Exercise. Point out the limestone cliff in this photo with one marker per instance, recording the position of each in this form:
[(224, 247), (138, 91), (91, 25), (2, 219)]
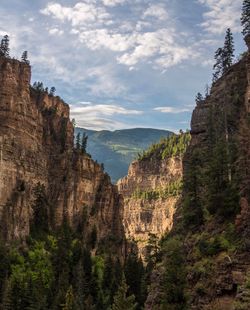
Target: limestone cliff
[(149, 199), (211, 225), (36, 147)]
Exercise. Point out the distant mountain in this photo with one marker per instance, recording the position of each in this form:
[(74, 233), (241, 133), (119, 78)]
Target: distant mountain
[(116, 149)]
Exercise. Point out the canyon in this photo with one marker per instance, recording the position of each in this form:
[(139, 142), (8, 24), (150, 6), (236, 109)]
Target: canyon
[(195, 198)]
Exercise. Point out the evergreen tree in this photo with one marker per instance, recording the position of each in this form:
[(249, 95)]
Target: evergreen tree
[(121, 300), (218, 66), (199, 98), (152, 251), (40, 211), (117, 275), (93, 237), (192, 206), (69, 300), (78, 138), (207, 90), (4, 47), (84, 143), (6, 303), (24, 57), (135, 276), (174, 275), (73, 122), (38, 86), (224, 56), (245, 17), (52, 91), (228, 51)]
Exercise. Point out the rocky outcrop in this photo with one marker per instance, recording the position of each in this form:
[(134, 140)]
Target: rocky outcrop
[(145, 213), (216, 249), (36, 147)]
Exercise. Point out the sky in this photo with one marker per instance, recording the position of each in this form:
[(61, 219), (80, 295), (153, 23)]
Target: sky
[(123, 63)]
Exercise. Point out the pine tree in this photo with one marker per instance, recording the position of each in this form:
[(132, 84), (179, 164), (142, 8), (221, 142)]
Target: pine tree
[(6, 303), (245, 17), (38, 86), (228, 51), (207, 91), (84, 143), (174, 275), (52, 91), (73, 122), (40, 211), (4, 47), (69, 300), (218, 66), (24, 57), (78, 138), (199, 98), (192, 206), (224, 56), (135, 276), (121, 301)]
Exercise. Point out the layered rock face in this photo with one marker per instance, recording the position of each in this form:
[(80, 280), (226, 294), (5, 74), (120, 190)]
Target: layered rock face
[(143, 214), (216, 250), (227, 109), (36, 146)]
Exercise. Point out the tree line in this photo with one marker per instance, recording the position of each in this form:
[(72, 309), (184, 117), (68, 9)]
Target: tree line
[(5, 50), (224, 56)]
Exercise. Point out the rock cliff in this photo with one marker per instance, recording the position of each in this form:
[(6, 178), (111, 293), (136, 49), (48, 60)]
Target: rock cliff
[(36, 148), (150, 193), (211, 225)]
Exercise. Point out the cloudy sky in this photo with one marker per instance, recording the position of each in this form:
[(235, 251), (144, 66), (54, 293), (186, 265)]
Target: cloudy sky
[(123, 63)]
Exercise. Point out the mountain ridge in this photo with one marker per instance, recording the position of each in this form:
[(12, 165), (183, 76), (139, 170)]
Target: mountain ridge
[(117, 149)]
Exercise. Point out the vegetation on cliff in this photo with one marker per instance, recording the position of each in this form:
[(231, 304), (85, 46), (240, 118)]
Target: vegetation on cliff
[(175, 145), (64, 254), (208, 239), (172, 189), (204, 259), (66, 269)]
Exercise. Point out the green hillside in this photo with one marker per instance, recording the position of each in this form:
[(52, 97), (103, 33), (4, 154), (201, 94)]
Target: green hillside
[(116, 149)]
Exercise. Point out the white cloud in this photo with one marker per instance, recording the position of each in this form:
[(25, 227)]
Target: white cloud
[(104, 38), (172, 110), (161, 45), (99, 116), (81, 14), (156, 10), (56, 31), (221, 14), (3, 33), (113, 2), (98, 30), (102, 109)]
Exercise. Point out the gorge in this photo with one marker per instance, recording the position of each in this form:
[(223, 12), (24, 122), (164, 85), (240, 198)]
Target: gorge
[(70, 239)]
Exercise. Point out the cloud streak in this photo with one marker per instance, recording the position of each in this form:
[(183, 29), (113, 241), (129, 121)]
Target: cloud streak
[(99, 116), (171, 110)]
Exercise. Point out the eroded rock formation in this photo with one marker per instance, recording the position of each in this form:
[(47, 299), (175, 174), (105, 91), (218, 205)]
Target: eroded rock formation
[(215, 249), (149, 215), (36, 147)]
